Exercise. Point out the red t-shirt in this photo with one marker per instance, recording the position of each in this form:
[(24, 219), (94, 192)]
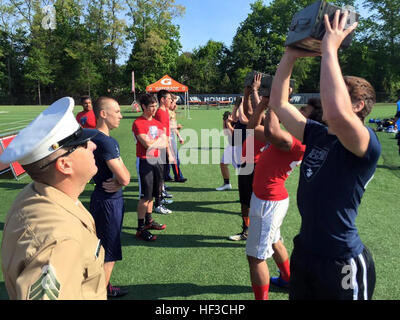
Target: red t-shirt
[(272, 170), (163, 117), (258, 149), (153, 129), (86, 119)]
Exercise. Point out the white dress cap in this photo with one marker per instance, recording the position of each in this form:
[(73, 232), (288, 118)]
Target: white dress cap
[(40, 138)]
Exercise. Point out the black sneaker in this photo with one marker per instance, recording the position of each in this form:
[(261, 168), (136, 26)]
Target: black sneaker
[(115, 292), (145, 235), (155, 225)]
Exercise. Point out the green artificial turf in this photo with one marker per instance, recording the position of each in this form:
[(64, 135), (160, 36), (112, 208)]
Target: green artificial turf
[(192, 258)]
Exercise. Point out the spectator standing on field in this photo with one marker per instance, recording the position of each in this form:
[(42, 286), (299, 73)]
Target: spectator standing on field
[(329, 260), (86, 118), (162, 115), (150, 138), (229, 156), (174, 136), (107, 201)]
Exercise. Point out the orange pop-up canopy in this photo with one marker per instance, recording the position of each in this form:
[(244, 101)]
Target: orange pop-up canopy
[(167, 83)]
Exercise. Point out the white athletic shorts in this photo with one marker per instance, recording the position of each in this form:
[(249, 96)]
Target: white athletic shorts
[(266, 218), (232, 155)]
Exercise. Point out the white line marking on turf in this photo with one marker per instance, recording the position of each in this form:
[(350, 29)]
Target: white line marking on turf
[(10, 129), (15, 122)]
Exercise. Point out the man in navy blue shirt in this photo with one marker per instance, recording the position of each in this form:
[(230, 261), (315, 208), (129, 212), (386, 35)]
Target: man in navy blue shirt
[(329, 261), (107, 202)]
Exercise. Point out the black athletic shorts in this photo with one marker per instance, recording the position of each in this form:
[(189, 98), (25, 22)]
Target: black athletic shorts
[(245, 186), (150, 179), (317, 278), (108, 215)]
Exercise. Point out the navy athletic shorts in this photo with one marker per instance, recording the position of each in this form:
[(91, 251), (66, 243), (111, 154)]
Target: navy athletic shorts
[(317, 278), (108, 215)]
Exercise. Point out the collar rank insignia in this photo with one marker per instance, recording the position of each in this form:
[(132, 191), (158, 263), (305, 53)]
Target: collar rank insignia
[(47, 286)]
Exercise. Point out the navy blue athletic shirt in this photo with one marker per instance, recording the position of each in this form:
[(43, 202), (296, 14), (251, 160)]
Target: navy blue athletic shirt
[(107, 149), (332, 182)]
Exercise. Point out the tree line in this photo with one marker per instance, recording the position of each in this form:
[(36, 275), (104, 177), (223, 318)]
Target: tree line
[(75, 47)]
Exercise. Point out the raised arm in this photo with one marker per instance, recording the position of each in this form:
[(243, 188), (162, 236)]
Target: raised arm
[(275, 134), (256, 121), (291, 118), (242, 115), (247, 104), (257, 117), (255, 87), (235, 110), (339, 111), (288, 114)]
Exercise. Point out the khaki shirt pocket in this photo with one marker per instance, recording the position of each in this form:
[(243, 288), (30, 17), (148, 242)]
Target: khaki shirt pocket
[(94, 286)]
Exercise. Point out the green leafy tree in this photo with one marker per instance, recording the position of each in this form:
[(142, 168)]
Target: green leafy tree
[(382, 37), (260, 38), (38, 70), (155, 40)]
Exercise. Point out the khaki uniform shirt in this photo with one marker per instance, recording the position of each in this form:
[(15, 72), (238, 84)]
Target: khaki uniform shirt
[(50, 249)]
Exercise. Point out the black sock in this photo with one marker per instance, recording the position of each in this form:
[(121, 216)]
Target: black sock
[(140, 224), (226, 181), (148, 218)]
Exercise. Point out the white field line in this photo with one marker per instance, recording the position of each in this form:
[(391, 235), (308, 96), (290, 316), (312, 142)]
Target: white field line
[(14, 122), (6, 130)]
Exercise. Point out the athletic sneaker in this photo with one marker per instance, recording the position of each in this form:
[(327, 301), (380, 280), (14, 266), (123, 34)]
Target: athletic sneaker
[(279, 282), (155, 225), (166, 201), (162, 210), (115, 292), (145, 235), (165, 194), (227, 186), (239, 236)]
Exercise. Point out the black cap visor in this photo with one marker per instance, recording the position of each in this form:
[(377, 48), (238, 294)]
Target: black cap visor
[(80, 136)]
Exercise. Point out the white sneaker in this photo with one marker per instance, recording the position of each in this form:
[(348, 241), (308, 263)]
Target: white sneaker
[(239, 236), (162, 210), (224, 187)]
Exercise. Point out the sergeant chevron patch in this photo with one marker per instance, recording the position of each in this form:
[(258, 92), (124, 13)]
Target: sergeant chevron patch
[(46, 285)]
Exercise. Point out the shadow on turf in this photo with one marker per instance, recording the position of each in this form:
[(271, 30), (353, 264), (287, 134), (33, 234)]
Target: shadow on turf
[(12, 186), (202, 206), (178, 187), (390, 167), (395, 169), (160, 291), (178, 240)]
